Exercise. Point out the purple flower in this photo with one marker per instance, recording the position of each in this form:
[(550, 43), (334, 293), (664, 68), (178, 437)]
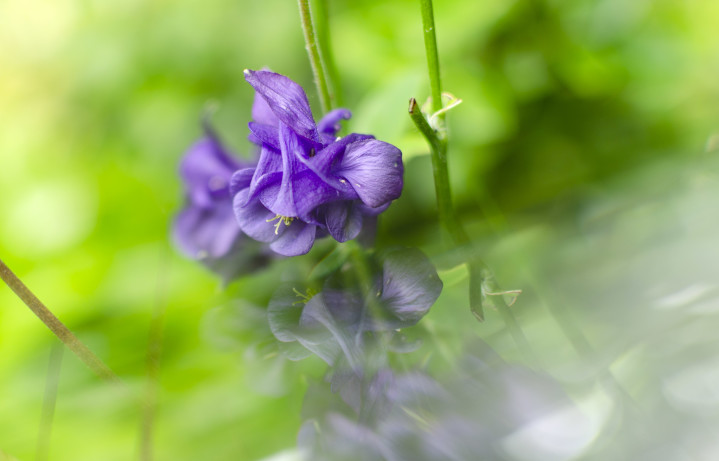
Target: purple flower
[(206, 228), (308, 183)]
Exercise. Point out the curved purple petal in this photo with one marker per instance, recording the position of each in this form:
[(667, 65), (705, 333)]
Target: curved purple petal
[(253, 218), (374, 169), (284, 201), (343, 220), (286, 99), (206, 169), (323, 162), (370, 211), (241, 180), (262, 112), (295, 239), (311, 192), (205, 233), (269, 170), (270, 161), (300, 190), (330, 123), (410, 285), (264, 134)]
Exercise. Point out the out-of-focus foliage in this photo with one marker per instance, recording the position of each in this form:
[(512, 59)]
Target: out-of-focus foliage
[(576, 159)]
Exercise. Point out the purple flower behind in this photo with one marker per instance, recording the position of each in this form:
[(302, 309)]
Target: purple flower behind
[(206, 228), (308, 183)]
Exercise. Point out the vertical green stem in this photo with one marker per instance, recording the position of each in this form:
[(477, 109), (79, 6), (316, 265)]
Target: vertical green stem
[(314, 54), (322, 32), (437, 139), (430, 46), (438, 150), (55, 325)]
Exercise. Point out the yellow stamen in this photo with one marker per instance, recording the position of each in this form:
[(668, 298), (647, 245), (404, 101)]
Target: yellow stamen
[(280, 219)]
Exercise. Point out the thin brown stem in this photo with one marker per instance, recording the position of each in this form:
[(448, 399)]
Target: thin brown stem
[(55, 325)]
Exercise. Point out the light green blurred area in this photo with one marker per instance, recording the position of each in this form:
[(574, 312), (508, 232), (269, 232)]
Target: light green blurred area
[(99, 99)]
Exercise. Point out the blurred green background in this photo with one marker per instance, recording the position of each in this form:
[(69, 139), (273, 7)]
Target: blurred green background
[(563, 101)]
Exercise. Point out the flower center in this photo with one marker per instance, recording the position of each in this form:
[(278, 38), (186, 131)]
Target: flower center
[(280, 219)]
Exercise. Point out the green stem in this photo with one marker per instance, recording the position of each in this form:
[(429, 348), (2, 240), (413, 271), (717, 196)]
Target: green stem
[(438, 150), (437, 140), (55, 325), (314, 54), (430, 46), (322, 32), (447, 216)]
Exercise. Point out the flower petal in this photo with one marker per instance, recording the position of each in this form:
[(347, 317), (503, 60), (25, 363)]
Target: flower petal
[(286, 99), (262, 112), (410, 285), (322, 163), (330, 123), (269, 170), (374, 169), (253, 218), (295, 239), (370, 211), (311, 192), (206, 233), (284, 202), (301, 191), (343, 219), (241, 180), (264, 134), (206, 169)]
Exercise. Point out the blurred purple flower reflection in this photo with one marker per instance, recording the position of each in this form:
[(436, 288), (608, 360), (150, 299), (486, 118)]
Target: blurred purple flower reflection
[(332, 323), (464, 416)]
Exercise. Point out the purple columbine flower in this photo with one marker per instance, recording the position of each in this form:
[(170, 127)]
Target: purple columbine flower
[(206, 228), (308, 183)]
